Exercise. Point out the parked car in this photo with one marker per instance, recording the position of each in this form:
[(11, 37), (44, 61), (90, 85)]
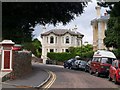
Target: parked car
[(114, 72), (82, 65), (69, 63), (101, 62), (75, 64), (87, 67), (49, 61)]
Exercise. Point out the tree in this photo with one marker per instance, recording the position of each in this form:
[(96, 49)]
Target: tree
[(111, 38), (34, 46), (19, 18), (107, 4), (112, 33), (83, 51), (38, 47)]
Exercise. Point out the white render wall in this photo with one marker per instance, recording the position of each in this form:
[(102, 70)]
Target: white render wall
[(58, 45)]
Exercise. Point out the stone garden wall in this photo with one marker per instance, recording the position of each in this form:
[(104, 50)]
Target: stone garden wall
[(21, 64)]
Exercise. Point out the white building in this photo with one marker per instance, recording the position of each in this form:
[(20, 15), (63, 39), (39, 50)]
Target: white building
[(59, 40), (99, 25)]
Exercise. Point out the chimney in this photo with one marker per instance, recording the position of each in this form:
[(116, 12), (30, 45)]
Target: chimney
[(75, 29), (43, 29), (98, 8)]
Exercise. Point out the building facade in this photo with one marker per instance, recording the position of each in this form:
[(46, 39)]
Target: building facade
[(99, 25), (59, 40)]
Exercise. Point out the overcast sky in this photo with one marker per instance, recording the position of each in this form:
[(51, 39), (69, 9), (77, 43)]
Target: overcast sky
[(82, 22)]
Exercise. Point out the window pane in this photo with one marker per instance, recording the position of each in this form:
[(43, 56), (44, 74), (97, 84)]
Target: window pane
[(51, 39), (56, 39), (47, 39), (107, 60), (51, 50), (67, 50), (67, 39)]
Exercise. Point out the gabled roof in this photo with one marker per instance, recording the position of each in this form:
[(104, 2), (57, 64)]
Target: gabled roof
[(60, 32)]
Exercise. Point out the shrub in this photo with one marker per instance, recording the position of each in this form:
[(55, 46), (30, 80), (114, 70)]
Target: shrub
[(60, 56)]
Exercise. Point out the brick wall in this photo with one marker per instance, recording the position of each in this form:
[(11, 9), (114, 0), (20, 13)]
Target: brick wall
[(21, 64)]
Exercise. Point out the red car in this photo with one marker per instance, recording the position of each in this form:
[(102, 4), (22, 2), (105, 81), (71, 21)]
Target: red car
[(101, 62), (114, 72)]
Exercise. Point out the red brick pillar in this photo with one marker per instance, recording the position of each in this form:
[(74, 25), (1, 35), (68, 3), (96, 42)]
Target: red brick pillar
[(6, 48)]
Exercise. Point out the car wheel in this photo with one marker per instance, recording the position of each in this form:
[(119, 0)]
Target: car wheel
[(115, 80), (109, 78), (90, 71), (85, 70), (64, 66), (97, 74)]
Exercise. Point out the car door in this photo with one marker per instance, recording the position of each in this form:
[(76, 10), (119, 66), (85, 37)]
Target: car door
[(111, 70), (95, 64)]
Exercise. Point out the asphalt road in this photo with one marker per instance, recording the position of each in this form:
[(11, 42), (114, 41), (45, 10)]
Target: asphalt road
[(66, 78)]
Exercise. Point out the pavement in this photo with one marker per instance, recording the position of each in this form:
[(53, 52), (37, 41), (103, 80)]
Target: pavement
[(36, 78)]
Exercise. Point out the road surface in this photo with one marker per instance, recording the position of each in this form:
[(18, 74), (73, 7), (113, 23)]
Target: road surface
[(66, 78)]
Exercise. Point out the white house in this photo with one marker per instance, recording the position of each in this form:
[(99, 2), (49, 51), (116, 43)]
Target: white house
[(59, 40)]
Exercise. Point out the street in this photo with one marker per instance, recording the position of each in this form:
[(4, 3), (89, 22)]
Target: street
[(66, 78), (61, 78)]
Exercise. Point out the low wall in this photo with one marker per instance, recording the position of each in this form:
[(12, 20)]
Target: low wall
[(21, 64)]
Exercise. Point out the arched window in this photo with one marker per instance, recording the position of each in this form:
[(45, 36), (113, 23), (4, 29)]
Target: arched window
[(51, 39), (67, 39)]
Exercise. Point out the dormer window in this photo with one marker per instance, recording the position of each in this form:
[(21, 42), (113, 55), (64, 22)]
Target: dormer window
[(67, 39), (51, 39)]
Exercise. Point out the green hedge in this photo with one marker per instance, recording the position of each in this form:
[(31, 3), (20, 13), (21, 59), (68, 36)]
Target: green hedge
[(65, 56), (60, 56)]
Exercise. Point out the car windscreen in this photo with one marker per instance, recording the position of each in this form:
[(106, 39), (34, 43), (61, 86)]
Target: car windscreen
[(107, 60), (83, 63)]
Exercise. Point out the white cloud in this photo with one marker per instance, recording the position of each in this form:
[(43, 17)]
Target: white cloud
[(82, 22)]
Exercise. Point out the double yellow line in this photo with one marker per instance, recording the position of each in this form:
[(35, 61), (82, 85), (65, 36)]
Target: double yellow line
[(50, 82)]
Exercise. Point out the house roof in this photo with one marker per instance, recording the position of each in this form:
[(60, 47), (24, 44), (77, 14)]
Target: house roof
[(61, 32), (102, 18)]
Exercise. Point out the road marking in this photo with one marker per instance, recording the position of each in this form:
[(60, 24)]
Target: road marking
[(50, 82)]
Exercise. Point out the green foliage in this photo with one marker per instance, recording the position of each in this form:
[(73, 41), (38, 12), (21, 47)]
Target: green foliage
[(60, 56), (111, 38), (84, 52), (34, 46), (117, 53), (113, 28), (19, 18)]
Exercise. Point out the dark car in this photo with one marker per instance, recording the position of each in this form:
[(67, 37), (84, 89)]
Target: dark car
[(87, 67), (69, 63), (49, 61), (75, 64), (82, 65)]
